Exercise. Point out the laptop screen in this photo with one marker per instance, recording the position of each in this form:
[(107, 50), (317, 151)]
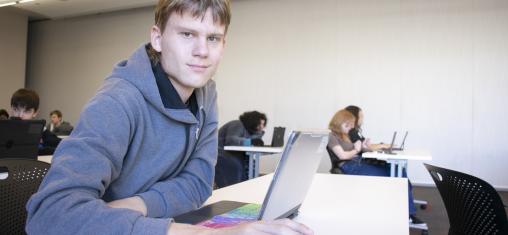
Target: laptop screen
[(288, 188), (20, 138), (294, 174), (278, 137)]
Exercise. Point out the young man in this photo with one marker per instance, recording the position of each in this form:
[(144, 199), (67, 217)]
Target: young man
[(24, 106), (145, 146), (57, 125)]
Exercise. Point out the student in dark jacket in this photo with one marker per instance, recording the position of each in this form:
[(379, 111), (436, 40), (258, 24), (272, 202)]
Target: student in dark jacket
[(232, 166), (25, 105)]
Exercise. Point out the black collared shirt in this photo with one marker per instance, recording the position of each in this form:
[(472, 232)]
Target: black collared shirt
[(168, 93)]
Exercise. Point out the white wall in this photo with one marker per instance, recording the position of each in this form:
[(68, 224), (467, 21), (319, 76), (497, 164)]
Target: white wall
[(437, 68), (70, 58), (13, 37)]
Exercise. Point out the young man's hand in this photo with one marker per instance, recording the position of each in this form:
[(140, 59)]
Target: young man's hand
[(275, 227), (134, 203)]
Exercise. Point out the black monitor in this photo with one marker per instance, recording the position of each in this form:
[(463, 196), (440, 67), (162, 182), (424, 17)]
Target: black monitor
[(20, 138)]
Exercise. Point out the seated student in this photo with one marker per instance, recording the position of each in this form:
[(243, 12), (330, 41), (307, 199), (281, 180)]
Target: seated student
[(24, 105), (145, 147), (4, 115), (57, 125), (352, 163), (232, 166), (356, 132)]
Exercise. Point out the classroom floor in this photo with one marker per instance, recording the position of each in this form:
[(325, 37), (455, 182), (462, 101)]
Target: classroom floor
[(435, 215)]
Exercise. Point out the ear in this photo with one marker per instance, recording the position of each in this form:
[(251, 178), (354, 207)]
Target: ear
[(156, 38)]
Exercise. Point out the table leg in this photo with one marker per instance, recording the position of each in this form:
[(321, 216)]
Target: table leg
[(256, 165), (251, 165), (392, 167), (400, 167)]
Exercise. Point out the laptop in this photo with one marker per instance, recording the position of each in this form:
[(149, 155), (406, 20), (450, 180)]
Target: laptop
[(300, 160), (390, 149), (20, 138), (402, 144), (278, 137)]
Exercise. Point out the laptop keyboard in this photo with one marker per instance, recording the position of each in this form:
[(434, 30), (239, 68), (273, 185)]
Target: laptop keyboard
[(245, 213)]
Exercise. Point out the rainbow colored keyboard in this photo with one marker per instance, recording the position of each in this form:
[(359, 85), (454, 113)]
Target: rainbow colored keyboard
[(243, 214)]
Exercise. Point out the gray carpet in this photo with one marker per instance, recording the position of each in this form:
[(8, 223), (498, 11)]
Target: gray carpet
[(435, 215)]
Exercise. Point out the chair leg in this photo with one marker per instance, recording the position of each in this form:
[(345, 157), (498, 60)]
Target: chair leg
[(423, 227)]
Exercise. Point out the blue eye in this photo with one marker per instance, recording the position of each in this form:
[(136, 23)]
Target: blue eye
[(214, 39), (186, 34)]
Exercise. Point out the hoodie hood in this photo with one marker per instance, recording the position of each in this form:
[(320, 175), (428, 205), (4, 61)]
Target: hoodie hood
[(137, 71)]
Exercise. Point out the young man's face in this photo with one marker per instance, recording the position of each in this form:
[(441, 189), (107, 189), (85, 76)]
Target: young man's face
[(190, 47), (23, 114), (55, 119)]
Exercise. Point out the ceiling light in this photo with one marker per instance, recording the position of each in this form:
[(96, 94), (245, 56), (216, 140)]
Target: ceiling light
[(3, 3)]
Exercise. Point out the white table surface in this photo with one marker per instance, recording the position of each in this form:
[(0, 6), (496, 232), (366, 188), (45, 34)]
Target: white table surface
[(45, 158), (338, 204), (260, 149), (418, 155)]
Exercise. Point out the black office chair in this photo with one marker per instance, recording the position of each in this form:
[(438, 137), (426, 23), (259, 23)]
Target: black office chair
[(473, 205), (23, 179), (335, 162)]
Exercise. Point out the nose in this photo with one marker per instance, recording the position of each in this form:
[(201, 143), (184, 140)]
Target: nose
[(201, 48)]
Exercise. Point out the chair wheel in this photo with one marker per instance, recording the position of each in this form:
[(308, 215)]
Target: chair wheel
[(425, 232), (423, 206)]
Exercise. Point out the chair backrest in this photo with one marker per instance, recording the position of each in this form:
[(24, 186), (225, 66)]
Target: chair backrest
[(473, 205), (335, 161), (23, 179)]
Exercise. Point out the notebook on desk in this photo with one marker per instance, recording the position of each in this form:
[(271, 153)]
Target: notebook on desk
[(20, 138), (300, 160)]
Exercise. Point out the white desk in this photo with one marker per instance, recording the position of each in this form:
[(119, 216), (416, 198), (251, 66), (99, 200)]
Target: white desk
[(338, 204), (399, 159), (254, 153), (45, 158)]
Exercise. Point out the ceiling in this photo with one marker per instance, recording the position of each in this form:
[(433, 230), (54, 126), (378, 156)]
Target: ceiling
[(56, 9)]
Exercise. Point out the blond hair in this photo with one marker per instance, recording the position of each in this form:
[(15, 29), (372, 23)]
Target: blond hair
[(342, 116), (221, 13)]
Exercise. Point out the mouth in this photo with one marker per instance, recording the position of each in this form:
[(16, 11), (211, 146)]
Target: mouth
[(198, 67)]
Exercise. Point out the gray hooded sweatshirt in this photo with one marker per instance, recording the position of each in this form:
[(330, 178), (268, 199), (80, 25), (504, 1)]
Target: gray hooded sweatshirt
[(125, 144)]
